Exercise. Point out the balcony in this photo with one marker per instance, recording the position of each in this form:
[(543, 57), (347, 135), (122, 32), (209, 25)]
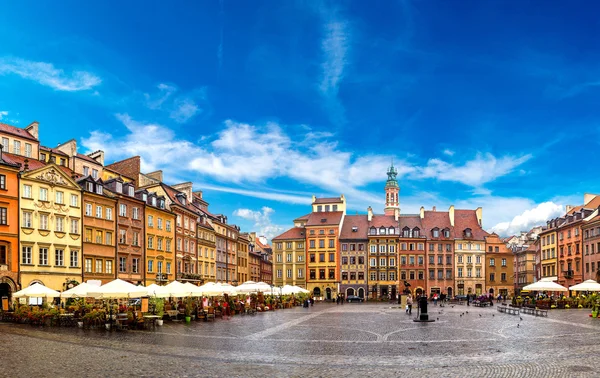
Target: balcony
[(568, 273)]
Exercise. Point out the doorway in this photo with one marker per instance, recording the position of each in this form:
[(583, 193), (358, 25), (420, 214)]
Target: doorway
[(361, 293), (328, 294), (349, 292)]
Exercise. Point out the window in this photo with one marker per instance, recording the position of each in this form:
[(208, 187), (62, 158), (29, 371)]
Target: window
[(43, 194), (311, 244), (289, 257), (5, 144), (436, 233), (150, 221), (108, 264), (60, 197), (122, 264), (27, 150), (168, 245), (503, 262), (289, 273), (168, 225), (86, 170), (478, 259), (27, 219), (431, 260), (178, 220), (99, 264), (136, 213), (135, 264), (382, 261), (43, 256), (460, 272), (136, 239), (492, 262), (331, 257), (27, 191), (95, 173), (108, 239), (122, 236), (60, 224), (420, 260), (26, 255), (321, 243), (43, 221), (88, 265), (150, 266), (469, 259), (123, 210), (74, 200), (16, 147), (382, 276), (159, 223), (492, 277), (373, 261), (98, 211), (130, 191), (59, 256), (331, 243), (503, 276), (3, 257)]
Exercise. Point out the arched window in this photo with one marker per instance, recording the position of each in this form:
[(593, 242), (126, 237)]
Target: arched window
[(416, 232), (382, 231), (406, 232)]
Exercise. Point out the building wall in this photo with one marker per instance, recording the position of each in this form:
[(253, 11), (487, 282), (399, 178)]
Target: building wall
[(9, 232), (570, 270), (591, 250), (440, 259), (549, 252), (160, 246), (470, 266), (412, 264), (254, 265), (353, 266), (35, 238), (324, 270), (34, 146), (132, 248), (499, 267), (383, 266), (242, 261), (206, 253), (290, 257), (99, 238)]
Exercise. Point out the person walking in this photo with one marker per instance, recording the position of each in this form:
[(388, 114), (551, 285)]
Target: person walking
[(409, 303)]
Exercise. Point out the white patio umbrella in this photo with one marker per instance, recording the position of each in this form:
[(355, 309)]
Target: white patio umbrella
[(36, 290), (118, 289), (194, 290), (253, 287), (157, 291), (545, 286), (228, 289), (589, 285), (79, 291), (214, 289), (178, 290), (292, 289)]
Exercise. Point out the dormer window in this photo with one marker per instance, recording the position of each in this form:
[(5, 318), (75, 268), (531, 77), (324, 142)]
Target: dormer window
[(354, 229), (153, 201), (144, 197), (90, 187), (161, 203), (446, 233), (373, 231), (182, 200), (416, 232), (98, 189), (382, 231), (406, 232), (468, 233), (119, 188), (391, 231), (130, 191), (436, 233)]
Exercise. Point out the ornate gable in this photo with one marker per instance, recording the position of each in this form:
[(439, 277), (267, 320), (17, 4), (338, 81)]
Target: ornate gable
[(52, 175)]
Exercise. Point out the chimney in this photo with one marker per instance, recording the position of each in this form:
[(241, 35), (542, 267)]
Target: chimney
[(569, 208), (98, 156), (184, 187), (451, 215), (33, 129), (587, 197), (198, 194), (69, 148), (156, 175), (479, 213), (422, 212), (433, 208), (396, 214), (369, 213), (26, 166)]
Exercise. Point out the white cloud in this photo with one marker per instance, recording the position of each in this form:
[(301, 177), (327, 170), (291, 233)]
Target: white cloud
[(3, 113), (479, 171), (46, 74), (335, 48), (529, 218), (184, 109), (165, 91), (448, 152), (262, 221)]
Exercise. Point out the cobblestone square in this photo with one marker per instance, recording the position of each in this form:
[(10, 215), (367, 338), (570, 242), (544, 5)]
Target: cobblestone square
[(322, 341)]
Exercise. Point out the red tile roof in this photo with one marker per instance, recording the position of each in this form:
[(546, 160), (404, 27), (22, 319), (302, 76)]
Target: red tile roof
[(292, 233), (325, 218), (172, 194), (304, 217), (13, 130), (328, 200), (439, 219), (53, 150), (411, 221), (18, 159), (379, 220), (360, 222), (85, 157), (464, 219)]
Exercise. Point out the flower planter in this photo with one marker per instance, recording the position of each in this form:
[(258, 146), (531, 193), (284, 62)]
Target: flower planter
[(80, 324), (107, 326), (159, 322), (188, 319), (594, 314)]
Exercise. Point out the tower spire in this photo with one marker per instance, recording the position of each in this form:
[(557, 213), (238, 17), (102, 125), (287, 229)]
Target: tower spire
[(391, 191)]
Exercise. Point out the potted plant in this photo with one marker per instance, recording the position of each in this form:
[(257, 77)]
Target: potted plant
[(159, 307), (189, 307)]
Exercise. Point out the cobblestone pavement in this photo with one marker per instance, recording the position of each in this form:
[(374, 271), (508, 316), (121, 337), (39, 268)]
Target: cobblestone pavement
[(323, 341)]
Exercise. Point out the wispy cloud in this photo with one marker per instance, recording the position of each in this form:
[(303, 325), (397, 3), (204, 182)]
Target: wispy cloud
[(262, 221), (448, 152), (529, 218), (479, 171), (46, 74), (184, 109), (3, 113), (156, 101), (179, 107)]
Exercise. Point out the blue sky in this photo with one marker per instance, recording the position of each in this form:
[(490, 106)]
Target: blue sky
[(263, 104)]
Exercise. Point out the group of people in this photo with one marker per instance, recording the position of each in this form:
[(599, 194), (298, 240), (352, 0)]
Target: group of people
[(339, 299)]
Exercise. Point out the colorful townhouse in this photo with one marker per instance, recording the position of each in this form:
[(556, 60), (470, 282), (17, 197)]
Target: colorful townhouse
[(411, 244), (51, 225), (322, 232), (383, 254), (590, 230), (439, 261), (99, 230), (206, 240), (9, 226), (242, 258), (353, 247), (548, 246), (469, 251), (159, 238), (130, 231), (289, 262), (499, 267)]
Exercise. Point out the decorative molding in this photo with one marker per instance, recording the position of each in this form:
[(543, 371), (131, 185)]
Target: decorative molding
[(52, 177)]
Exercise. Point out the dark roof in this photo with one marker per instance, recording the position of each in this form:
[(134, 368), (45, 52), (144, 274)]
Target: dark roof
[(53, 150), (85, 157), (360, 222), (18, 159), (325, 218), (292, 233), (464, 219), (173, 195), (304, 217), (328, 200), (411, 221), (13, 130)]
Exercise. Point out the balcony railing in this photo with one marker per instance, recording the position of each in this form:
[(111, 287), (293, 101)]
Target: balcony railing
[(568, 273)]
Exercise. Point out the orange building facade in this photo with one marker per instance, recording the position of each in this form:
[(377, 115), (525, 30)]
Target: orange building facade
[(9, 227)]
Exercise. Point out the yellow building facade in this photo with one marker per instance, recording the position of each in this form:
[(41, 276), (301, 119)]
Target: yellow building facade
[(206, 250), (50, 232), (289, 260), (549, 261)]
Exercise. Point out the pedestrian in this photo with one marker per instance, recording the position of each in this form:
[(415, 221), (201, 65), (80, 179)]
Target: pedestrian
[(337, 300), (435, 299), (409, 303), (468, 299)]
